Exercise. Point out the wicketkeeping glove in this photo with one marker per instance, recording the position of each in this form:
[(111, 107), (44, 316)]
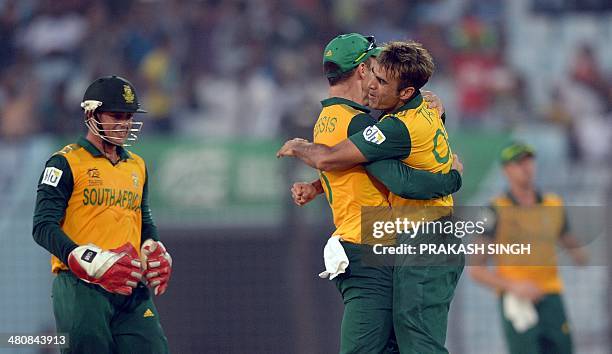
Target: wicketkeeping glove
[(157, 265), (117, 270)]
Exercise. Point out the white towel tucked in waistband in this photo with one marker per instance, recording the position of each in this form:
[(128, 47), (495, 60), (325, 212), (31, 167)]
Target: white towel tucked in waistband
[(335, 258), (520, 312)]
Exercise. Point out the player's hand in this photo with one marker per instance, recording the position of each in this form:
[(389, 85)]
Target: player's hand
[(526, 290), (303, 192), (433, 101), (457, 164), (117, 270), (156, 265), (288, 148)]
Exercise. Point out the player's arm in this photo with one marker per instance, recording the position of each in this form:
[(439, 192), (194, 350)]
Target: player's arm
[(388, 139), (481, 273), (51, 202), (410, 183), (149, 229), (156, 261), (479, 270), (570, 242), (339, 157), (575, 249)]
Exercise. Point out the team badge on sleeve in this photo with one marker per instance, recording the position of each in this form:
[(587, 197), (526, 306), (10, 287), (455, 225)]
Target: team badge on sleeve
[(374, 135), (52, 176)]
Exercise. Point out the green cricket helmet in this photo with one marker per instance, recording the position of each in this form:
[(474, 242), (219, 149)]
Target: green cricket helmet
[(111, 94)]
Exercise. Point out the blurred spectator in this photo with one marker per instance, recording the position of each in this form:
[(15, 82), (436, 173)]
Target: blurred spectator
[(8, 23), (160, 77), (477, 58), (19, 90), (580, 103), (557, 114), (586, 71)]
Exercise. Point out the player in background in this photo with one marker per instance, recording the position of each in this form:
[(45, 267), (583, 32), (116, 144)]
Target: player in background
[(368, 291), (92, 214), (414, 134), (532, 312)]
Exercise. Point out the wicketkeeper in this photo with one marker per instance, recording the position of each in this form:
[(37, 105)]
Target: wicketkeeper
[(92, 214)]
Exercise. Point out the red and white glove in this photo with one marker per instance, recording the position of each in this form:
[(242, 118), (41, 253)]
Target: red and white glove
[(156, 265), (117, 270)]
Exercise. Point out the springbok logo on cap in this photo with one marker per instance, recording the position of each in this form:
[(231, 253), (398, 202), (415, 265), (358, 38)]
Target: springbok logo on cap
[(128, 95)]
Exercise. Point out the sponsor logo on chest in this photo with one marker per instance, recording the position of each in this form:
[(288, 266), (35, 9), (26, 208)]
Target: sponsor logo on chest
[(94, 177)]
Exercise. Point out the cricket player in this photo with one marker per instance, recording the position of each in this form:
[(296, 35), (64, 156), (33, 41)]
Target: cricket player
[(415, 134), (533, 316), (92, 214), (367, 291)]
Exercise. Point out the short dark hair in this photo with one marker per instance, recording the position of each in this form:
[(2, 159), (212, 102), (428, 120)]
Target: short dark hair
[(332, 68), (332, 73), (408, 61)]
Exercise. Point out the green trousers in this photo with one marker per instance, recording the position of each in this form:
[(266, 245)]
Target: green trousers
[(97, 321), (550, 335), (367, 292), (423, 288)]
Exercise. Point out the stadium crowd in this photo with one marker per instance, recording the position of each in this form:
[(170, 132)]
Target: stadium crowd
[(241, 68)]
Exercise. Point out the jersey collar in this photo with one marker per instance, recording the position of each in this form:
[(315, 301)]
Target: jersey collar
[(87, 145), (515, 202), (339, 100), (412, 103)]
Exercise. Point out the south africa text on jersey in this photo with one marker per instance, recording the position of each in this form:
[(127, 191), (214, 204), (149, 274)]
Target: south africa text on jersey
[(111, 197)]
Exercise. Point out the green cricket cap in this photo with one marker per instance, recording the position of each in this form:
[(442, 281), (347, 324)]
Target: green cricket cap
[(349, 50), (515, 151)]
